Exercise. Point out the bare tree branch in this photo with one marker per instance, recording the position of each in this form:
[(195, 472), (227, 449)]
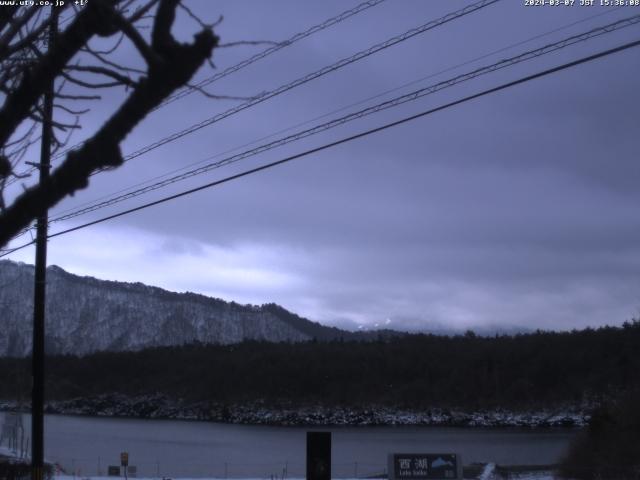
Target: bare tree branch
[(120, 79), (16, 25), (86, 84), (142, 11), (70, 110), (39, 117), (6, 49), (216, 96), (170, 65), (101, 57), (77, 97), (6, 14), (34, 80), (140, 43), (193, 16), (110, 50)]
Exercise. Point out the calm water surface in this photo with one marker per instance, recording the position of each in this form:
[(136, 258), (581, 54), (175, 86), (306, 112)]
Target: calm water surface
[(87, 445)]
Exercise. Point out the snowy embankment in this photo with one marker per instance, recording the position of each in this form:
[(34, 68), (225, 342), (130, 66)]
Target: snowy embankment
[(161, 407)]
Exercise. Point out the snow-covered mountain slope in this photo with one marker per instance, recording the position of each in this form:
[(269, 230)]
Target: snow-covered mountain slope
[(85, 315)]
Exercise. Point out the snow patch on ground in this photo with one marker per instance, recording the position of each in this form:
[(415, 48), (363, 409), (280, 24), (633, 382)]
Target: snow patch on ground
[(487, 472)]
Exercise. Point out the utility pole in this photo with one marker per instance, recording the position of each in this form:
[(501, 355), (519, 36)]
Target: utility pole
[(37, 367)]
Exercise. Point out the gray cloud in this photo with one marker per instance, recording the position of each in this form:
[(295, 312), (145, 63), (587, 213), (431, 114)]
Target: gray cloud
[(514, 209)]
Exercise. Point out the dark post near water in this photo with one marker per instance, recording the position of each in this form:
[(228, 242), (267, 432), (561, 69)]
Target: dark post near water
[(37, 367), (318, 455)]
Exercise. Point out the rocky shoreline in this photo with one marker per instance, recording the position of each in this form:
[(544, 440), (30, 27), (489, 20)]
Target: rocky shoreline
[(159, 406)]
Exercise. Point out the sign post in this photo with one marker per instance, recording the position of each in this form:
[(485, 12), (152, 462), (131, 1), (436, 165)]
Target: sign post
[(124, 461), (425, 466)]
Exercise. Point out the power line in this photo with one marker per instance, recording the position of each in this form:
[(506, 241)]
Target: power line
[(265, 53), (336, 122), (400, 100), (483, 93), (8, 251), (318, 73), (311, 76), (248, 61), (306, 122)]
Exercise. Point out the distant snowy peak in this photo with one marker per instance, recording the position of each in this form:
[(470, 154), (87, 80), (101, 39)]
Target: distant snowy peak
[(84, 315)]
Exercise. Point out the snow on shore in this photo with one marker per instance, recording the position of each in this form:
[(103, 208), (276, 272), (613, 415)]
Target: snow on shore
[(160, 407)]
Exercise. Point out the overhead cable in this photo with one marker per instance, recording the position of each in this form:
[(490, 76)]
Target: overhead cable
[(350, 138), (309, 77), (400, 100), (248, 61), (273, 49), (341, 109)]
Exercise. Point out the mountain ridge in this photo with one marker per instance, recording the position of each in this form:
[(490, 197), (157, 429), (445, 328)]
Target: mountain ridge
[(86, 314)]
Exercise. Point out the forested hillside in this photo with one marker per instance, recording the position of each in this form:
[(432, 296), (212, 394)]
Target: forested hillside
[(86, 315), (417, 371)]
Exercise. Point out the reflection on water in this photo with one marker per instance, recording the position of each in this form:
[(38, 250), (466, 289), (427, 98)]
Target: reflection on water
[(88, 445)]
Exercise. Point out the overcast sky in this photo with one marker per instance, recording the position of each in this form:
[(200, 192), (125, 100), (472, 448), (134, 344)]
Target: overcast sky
[(518, 209)]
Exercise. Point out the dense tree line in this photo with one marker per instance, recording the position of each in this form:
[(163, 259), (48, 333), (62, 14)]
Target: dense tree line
[(414, 371)]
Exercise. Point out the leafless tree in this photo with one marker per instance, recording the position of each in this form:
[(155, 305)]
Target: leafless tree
[(81, 70)]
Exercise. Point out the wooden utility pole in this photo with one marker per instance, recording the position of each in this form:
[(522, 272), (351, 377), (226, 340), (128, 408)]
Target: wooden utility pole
[(37, 367)]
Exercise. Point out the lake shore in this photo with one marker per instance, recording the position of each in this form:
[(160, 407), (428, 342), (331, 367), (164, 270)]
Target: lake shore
[(161, 407)]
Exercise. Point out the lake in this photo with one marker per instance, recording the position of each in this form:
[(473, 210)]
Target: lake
[(88, 445)]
